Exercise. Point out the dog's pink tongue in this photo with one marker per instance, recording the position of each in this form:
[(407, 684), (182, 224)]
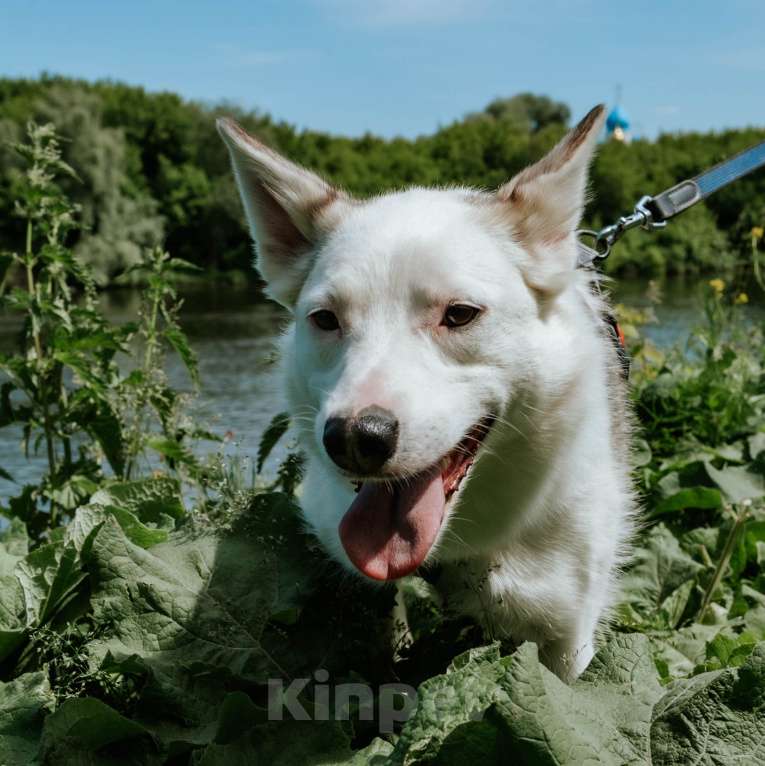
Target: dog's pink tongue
[(388, 531)]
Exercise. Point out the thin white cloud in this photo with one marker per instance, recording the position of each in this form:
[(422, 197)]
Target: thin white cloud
[(389, 13)]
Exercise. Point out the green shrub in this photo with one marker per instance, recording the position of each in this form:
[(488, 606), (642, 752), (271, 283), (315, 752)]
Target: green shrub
[(64, 386)]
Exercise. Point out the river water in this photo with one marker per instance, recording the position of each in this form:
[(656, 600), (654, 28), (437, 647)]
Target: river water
[(233, 333)]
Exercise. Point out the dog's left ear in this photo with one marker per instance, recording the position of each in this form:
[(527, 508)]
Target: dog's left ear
[(290, 210), (545, 202)]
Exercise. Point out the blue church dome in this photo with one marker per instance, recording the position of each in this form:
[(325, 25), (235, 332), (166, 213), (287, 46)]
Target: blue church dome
[(617, 119)]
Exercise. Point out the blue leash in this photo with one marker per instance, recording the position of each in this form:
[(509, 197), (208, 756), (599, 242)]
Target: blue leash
[(654, 212)]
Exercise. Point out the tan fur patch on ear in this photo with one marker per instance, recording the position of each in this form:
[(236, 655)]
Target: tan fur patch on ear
[(316, 207)]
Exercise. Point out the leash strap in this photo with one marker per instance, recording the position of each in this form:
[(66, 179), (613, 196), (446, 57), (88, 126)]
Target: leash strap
[(673, 201), (654, 212)]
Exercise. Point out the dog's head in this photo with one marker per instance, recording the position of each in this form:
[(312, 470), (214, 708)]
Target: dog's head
[(416, 320)]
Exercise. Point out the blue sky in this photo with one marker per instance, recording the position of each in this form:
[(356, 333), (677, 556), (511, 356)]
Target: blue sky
[(404, 67)]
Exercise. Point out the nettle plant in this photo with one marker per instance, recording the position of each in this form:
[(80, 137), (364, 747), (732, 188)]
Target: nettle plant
[(64, 386)]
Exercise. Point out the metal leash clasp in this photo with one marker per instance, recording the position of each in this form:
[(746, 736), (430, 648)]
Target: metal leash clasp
[(607, 237)]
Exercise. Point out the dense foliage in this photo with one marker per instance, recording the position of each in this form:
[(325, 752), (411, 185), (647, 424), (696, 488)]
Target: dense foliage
[(148, 632), (154, 171), (142, 622), (64, 386)]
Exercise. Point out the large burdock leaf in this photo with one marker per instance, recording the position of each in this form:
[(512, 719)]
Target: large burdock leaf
[(87, 731), (603, 718), (198, 600), (41, 584), (450, 707), (13, 626), (151, 500), (13, 549), (36, 586), (660, 575), (713, 719), (14, 545), (307, 743), (89, 519), (49, 577), (24, 703), (617, 713)]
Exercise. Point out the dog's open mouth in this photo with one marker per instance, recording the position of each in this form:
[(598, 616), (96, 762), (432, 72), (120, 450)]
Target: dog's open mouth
[(391, 525)]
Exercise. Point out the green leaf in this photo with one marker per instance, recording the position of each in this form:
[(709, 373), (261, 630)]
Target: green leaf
[(714, 718), (681, 651), (660, 566), (733, 453), (172, 449), (179, 264), (694, 497), (84, 369), (178, 340), (673, 606), (641, 453), (194, 596), (448, 702), (237, 714), (756, 443), (307, 743), (6, 260), (90, 517), (14, 545), (71, 492), (276, 429), (604, 718), (616, 713), (102, 423), (149, 499), (24, 505), (24, 703), (728, 649), (88, 731), (49, 576), (737, 482)]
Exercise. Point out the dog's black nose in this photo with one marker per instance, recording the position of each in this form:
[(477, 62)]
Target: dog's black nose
[(364, 443)]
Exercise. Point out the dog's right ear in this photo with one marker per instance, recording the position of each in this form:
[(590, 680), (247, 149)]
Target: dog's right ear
[(545, 202), (289, 210)]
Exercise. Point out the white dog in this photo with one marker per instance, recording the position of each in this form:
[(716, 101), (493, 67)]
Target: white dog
[(457, 393)]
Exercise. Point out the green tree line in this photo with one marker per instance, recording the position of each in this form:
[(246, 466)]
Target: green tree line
[(152, 170)]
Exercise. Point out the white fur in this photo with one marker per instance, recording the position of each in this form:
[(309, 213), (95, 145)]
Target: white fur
[(532, 541)]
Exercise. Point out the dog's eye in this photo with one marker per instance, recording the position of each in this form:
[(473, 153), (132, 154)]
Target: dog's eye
[(325, 320), (459, 314)]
